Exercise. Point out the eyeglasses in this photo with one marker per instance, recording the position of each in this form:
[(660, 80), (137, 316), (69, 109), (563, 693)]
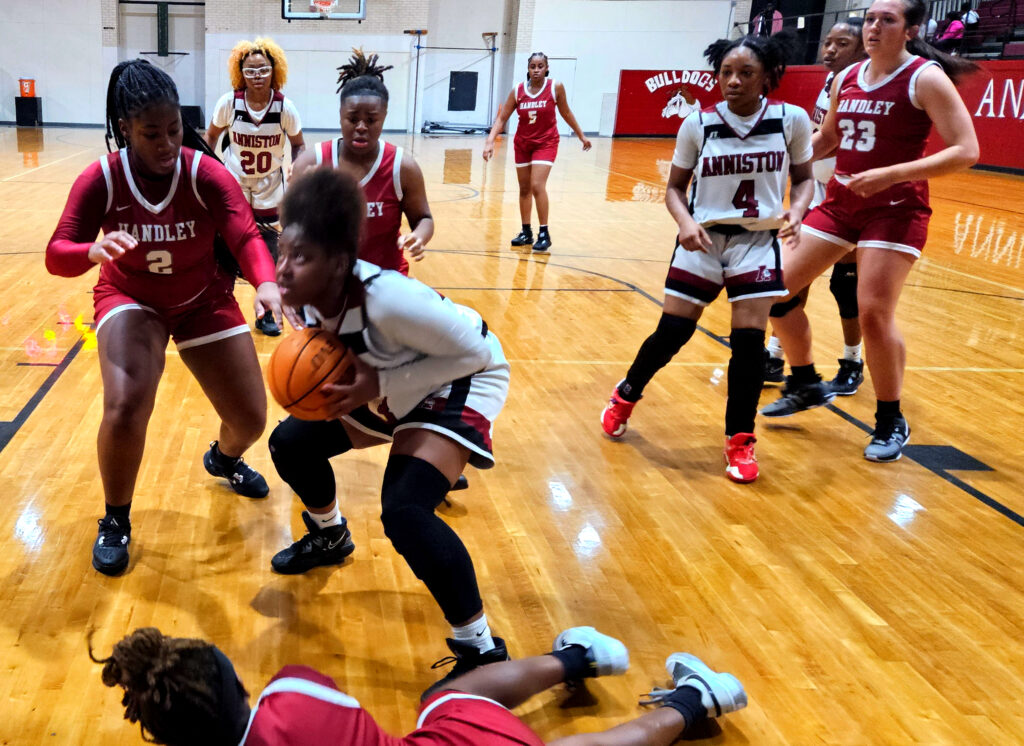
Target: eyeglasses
[(257, 72)]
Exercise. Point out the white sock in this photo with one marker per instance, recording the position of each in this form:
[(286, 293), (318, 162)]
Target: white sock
[(477, 634), (775, 347), (852, 353), (330, 518)]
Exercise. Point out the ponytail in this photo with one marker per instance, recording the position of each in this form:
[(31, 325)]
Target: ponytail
[(955, 67)]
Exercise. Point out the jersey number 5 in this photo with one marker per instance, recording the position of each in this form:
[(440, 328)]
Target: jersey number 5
[(857, 135), (159, 262), (533, 116), (253, 163), (744, 199)]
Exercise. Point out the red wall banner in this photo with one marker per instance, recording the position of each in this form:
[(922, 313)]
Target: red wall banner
[(994, 98)]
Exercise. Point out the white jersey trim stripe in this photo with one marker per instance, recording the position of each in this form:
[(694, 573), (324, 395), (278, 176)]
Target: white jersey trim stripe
[(155, 209), (396, 173), (118, 309), (318, 154), (195, 178), (215, 337), (912, 87), (448, 698), (301, 686), (891, 246), (827, 237), (376, 164), (887, 79), (105, 168)]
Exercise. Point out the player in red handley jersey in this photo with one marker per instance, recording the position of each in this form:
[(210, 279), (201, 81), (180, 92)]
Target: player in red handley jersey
[(881, 115), (535, 143), (185, 692), (160, 207), (391, 179)]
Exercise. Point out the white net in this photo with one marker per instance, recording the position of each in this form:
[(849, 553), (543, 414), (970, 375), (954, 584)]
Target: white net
[(334, 10), (323, 7)]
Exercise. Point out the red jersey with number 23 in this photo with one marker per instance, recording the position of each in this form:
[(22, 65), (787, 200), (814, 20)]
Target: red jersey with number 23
[(537, 122), (880, 125)]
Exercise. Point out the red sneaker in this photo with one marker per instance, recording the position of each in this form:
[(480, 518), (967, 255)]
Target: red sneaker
[(616, 415), (741, 463)]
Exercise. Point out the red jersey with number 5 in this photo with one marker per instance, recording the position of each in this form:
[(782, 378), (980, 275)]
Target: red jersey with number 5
[(882, 124), (537, 122)]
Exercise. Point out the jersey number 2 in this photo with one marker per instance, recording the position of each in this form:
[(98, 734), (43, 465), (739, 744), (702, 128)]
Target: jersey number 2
[(744, 199), (159, 262), (255, 163), (857, 135)]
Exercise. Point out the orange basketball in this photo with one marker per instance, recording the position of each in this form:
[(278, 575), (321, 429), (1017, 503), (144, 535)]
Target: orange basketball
[(303, 362)]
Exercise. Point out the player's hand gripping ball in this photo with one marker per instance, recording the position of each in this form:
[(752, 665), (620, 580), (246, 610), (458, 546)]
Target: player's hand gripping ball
[(301, 365)]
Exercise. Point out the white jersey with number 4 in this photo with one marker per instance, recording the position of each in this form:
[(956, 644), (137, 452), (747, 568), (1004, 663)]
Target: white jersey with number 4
[(257, 137), (741, 164)]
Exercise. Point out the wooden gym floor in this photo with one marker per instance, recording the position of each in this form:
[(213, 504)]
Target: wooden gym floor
[(859, 603)]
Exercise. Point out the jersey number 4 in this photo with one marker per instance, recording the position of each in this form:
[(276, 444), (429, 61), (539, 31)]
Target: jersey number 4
[(857, 135), (255, 163), (744, 199)]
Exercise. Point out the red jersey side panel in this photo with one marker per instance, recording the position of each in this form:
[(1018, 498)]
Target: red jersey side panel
[(537, 121), (382, 188)]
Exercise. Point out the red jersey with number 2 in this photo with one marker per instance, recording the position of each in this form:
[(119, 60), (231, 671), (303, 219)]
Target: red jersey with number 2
[(537, 122), (882, 124)]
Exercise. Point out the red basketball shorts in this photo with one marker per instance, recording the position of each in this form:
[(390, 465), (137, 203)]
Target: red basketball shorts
[(878, 222), (453, 718), (212, 316), (533, 153)]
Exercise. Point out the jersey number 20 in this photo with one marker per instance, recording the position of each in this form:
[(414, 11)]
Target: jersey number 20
[(857, 135), (255, 163), (744, 199)]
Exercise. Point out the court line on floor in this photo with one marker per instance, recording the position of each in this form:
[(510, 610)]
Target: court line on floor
[(986, 500), (45, 165), (9, 429)]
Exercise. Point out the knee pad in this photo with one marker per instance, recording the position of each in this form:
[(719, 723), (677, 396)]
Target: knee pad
[(270, 236), (747, 346), (672, 333), (779, 310), (412, 489), (844, 288), (301, 452)]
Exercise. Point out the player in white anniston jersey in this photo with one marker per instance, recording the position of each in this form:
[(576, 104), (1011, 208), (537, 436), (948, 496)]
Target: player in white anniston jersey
[(258, 119), (843, 46), (738, 154)]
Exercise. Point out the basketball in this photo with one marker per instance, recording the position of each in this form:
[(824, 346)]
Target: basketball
[(303, 362)]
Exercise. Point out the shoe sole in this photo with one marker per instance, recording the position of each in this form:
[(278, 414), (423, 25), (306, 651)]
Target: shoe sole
[(737, 695), (895, 458), (619, 651)]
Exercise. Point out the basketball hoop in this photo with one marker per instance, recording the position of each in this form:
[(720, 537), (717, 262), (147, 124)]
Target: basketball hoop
[(323, 7)]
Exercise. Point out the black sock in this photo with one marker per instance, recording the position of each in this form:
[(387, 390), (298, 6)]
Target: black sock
[(803, 374), (223, 461), (120, 512), (655, 353), (686, 700), (574, 659), (746, 377), (527, 229), (887, 409), (542, 229)]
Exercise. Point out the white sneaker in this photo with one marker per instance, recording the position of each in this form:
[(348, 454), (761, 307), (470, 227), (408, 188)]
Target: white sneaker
[(607, 656), (720, 693)]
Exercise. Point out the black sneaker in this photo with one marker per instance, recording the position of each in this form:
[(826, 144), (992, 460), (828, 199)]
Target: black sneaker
[(888, 439), (848, 378), (328, 545), (466, 658), (243, 479), (798, 397), (543, 241), (110, 552), (268, 325), (523, 239), (773, 368)]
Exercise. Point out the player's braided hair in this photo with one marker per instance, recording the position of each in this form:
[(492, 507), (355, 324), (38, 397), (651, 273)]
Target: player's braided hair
[(362, 76), (135, 85), (329, 206), (261, 45), (914, 12), (771, 51), (171, 688), (530, 59)]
